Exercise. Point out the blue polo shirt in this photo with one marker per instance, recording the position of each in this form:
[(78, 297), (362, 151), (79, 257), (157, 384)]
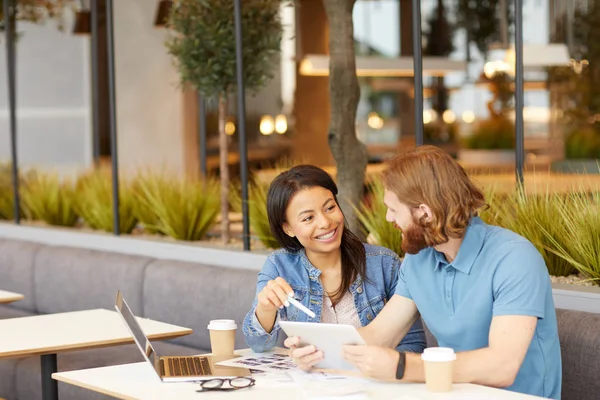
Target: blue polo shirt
[(496, 272)]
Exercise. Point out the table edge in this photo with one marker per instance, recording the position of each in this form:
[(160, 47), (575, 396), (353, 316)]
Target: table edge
[(7, 300), (92, 388), (92, 345)]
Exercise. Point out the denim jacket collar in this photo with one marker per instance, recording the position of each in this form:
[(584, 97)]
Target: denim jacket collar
[(314, 273)]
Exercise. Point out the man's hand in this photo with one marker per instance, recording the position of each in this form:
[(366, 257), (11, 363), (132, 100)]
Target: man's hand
[(373, 361)]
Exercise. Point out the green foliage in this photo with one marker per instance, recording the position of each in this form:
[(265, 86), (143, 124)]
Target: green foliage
[(440, 132), (46, 198), (539, 219), (583, 144), (579, 84), (181, 209), (501, 86), (142, 208), (494, 199), (39, 11), (371, 214), (481, 20), (94, 202), (7, 210), (438, 32), (6, 192), (493, 133), (202, 41), (257, 203), (257, 206), (581, 246)]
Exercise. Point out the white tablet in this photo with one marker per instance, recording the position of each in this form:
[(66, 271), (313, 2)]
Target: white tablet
[(326, 337)]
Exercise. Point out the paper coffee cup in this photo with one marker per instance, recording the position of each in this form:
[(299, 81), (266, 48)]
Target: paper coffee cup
[(222, 336), (438, 368)]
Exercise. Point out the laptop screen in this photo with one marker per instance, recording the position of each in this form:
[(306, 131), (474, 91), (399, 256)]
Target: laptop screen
[(136, 330)]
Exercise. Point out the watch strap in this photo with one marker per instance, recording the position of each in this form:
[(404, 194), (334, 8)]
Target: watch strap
[(401, 366)]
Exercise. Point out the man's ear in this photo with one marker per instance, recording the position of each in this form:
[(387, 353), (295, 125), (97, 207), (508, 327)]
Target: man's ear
[(288, 230), (424, 211)]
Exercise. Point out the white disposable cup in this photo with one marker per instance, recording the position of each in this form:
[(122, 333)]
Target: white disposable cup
[(438, 363), (222, 336)]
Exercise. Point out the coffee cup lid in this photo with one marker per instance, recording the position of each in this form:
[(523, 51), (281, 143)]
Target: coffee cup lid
[(222, 325), (438, 354)]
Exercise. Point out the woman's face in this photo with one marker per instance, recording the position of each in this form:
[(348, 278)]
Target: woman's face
[(315, 219)]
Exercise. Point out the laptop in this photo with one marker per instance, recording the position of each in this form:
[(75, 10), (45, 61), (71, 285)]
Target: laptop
[(174, 368)]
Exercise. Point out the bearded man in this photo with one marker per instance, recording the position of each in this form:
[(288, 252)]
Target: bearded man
[(482, 290)]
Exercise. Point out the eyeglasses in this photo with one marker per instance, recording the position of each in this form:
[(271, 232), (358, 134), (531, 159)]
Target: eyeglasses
[(234, 384)]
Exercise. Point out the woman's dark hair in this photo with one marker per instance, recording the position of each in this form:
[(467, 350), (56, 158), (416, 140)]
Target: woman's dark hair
[(281, 191)]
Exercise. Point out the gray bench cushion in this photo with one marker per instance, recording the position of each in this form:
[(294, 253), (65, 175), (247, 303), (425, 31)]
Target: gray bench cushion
[(191, 295), (580, 346), (71, 279), (16, 270), (8, 368), (9, 311), (28, 381)]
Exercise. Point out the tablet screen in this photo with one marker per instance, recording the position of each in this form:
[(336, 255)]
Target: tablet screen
[(326, 337)]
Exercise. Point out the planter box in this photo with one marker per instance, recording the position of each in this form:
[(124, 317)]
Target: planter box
[(161, 249), (576, 297), (486, 157), (576, 166)]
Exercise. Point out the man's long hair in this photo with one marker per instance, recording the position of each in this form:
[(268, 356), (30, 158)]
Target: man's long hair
[(428, 175)]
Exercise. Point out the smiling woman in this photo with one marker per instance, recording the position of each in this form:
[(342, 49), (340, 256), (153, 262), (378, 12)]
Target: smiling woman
[(322, 264)]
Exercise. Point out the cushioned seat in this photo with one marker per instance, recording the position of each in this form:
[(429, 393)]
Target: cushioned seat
[(9, 311), (7, 378), (579, 334)]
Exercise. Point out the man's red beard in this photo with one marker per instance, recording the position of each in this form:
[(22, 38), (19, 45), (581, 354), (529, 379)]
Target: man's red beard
[(413, 239)]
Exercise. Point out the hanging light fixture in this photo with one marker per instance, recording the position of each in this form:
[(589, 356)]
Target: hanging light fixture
[(281, 125), (230, 127), (162, 12), (267, 125)]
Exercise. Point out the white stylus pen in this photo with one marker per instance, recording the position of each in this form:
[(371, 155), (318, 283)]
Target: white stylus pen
[(299, 306)]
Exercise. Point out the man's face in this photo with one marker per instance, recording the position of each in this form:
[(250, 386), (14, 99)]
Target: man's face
[(398, 213)]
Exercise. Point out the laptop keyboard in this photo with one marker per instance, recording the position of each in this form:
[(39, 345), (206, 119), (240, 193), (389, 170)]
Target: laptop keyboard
[(188, 366)]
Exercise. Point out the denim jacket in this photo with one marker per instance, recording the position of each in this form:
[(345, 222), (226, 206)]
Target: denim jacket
[(369, 296)]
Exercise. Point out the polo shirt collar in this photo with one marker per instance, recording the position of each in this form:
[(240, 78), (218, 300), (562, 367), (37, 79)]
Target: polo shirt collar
[(469, 248)]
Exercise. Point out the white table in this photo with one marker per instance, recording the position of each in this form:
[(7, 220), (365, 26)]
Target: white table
[(47, 335), (138, 381), (9, 297)]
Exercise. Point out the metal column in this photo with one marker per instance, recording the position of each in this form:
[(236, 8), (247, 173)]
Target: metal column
[(10, 27), (241, 109), (418, 70), (519, 100), (113, 115), (95, 85), (49, 364)]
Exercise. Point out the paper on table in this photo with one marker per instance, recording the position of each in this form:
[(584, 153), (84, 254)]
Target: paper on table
[(323, 386), (262, 362)]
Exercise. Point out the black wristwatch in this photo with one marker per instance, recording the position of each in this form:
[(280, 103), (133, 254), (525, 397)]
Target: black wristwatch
[(401, 365)]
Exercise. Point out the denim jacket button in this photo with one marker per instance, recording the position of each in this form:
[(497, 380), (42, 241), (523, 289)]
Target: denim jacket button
[(369, 317), (359, 290)]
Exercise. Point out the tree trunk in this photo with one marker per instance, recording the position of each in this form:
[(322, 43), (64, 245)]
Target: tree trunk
[(349, 153), (224, 169)]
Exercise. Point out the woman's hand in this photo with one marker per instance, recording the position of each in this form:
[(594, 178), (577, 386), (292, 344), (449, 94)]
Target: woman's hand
[(305, 357), (274, 295)]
